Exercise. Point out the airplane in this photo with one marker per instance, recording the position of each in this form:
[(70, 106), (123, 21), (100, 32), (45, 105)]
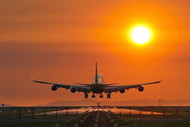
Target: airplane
[(97, 86)]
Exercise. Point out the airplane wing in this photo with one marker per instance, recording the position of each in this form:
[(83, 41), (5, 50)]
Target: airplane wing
[(110, 89), (73, 88)]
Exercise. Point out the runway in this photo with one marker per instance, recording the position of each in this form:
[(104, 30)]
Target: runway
[(99, 118), (96, 116)]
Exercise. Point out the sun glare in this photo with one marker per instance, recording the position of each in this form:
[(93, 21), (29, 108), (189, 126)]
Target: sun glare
[(140, 35)]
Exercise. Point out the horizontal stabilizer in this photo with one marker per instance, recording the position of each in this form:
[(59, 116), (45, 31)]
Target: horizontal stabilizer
[(110, 84), (83, 84)]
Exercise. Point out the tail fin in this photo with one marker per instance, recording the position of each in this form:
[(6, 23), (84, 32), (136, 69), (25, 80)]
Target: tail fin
[(96, 75)]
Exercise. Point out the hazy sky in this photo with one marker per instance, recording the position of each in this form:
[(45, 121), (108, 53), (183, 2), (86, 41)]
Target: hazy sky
[(60, 41)]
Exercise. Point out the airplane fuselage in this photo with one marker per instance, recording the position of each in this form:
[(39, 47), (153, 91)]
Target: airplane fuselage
[(97, 86)]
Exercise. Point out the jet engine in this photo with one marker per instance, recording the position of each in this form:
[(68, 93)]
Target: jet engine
[(54, 88), (122, 91), (73, 90), (140, 88)]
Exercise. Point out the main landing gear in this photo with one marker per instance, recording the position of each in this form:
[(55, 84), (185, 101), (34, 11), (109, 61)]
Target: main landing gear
[(93, 96), (85, 95), (108, 96)]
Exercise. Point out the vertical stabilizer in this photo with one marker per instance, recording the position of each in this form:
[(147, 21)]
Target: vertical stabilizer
[(96, 75)]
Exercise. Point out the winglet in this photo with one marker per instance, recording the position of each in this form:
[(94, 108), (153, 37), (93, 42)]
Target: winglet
[(32, 78), (160, 80)]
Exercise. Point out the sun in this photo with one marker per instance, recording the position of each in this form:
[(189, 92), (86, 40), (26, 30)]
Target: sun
[(140, 35)]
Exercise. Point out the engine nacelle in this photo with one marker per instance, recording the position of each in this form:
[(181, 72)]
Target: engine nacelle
[(73, 90), (122, 91), (54, 88), (140, 88)]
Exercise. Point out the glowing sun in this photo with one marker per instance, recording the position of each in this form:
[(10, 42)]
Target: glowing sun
[(140, 35)]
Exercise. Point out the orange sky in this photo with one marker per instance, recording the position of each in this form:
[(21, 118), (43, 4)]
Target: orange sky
[(60, 42)]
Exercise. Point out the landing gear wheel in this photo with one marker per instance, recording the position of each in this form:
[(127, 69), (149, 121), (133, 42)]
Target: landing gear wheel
[(93, 96), (101, 96), (85, 95), (108, 96)]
